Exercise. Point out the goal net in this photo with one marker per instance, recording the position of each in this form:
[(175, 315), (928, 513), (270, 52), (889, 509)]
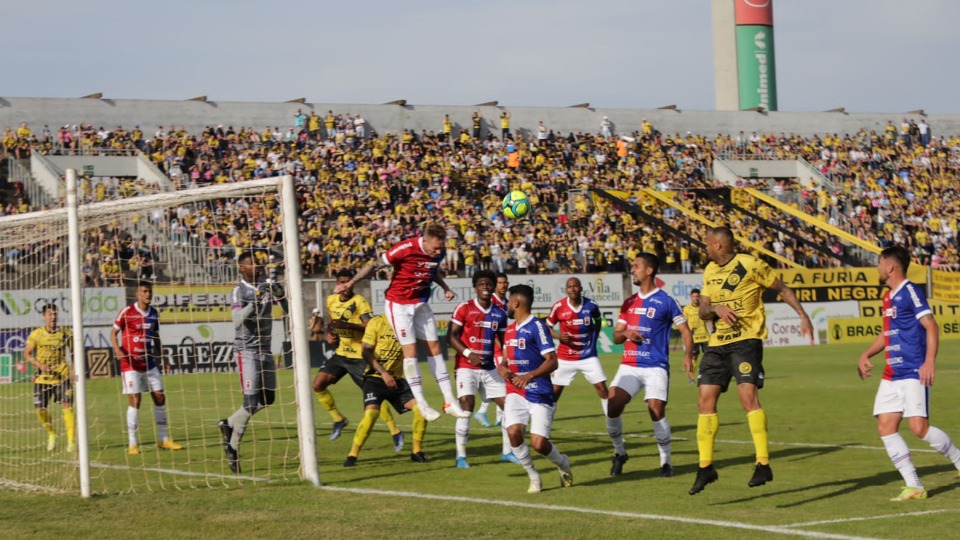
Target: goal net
[(185, 245)]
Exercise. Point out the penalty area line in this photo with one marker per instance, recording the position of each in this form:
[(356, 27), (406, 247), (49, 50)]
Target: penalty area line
[(559, 508)]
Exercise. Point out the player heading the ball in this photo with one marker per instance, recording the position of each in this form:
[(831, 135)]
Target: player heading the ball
[(415, 263)]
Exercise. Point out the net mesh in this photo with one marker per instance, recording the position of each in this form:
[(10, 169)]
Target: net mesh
[(185, 245)]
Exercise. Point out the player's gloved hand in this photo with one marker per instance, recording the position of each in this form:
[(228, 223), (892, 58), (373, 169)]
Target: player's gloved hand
[(276, 289)]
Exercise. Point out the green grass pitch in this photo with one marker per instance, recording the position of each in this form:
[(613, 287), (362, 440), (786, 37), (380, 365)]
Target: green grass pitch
[(832, 477)]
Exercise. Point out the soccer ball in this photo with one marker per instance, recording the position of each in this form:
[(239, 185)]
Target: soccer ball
[(515, 205)]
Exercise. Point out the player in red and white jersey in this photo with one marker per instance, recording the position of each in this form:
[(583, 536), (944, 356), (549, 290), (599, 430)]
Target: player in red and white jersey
[(415, 263), (910, 340), (579, 321), (476, 332), (136, 343), (499, 299)]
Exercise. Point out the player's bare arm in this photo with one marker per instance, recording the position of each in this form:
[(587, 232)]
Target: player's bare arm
[(117, 351), (344, 325), (786, 293), (372, 361), (687, 336), (447, 291), (621, 333), (32, 360), (361, 274), (865, 365), (548, 366), (929, 367), (454, 334), (710, 312)]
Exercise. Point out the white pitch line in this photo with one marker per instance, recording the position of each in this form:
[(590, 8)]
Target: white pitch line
[(867, 518), (633, 515), (178, 473)]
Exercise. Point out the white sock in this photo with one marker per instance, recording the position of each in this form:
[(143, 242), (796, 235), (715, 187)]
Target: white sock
[(411, 372), (661, 431), (483, 408), (132, 416), (439, 369), (523, 455), (940, 441), (603, 405), (462, 436), (160, 415), (900, 455), (554, 455), (615, 430), (506, 449)]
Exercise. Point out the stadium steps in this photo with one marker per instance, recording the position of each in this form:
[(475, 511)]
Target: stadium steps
[(725, 197), (618, 198), (814, 221), (694, 215)]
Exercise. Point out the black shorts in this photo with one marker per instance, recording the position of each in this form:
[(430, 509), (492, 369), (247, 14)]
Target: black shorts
[(700, 348), (375, 392), (44, 393), (741, 359), (338, 366)]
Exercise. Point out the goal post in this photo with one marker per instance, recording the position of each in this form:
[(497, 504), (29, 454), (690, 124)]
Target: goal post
[(52, 256)]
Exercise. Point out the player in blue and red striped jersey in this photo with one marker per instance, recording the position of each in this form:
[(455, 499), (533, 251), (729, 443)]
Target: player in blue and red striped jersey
[(499, 299), (910, 339), (415, 263), (579, 320), (136, 344), (529, 359), (644, 329), (476, 332)]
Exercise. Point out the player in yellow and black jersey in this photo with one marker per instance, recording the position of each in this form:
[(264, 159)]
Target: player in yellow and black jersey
[(731, 298), (46, 351), (384, 381), (699, 328), (349, 314)]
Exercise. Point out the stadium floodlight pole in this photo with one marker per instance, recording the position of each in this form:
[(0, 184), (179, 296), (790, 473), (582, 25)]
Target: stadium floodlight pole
[(298, 336), (79, 362)]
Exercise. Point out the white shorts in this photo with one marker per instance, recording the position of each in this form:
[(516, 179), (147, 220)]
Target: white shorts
[(136, 382), (489, 383), (517, 410), (411, 322), (907, 396), (568, 369), (654, 381)]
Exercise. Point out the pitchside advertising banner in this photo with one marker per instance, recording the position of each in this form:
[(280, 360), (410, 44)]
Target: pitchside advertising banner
[(866, 329), (946, 286), (836, 284), (186, 303), (23, 308)]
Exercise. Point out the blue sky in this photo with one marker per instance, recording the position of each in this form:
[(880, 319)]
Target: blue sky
[(865, 55)]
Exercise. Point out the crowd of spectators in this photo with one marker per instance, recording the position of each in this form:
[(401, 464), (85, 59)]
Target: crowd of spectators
[(360, 191)]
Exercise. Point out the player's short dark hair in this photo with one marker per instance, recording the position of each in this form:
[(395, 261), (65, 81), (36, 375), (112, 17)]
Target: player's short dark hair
[(144, 283), (652, 261), (503, 275), (899, 254), (346, 272), (484, 274), (525, 292), (695, 291), (48, 307), (246, 255)]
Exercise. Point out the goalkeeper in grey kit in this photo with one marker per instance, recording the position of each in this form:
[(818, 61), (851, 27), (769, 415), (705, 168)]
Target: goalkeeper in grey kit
[(252, 306)]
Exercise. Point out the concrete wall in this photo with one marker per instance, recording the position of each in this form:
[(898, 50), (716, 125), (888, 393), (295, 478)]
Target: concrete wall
[(194, 116), (725, 83)]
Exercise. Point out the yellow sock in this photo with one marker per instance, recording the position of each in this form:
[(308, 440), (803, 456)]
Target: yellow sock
[(70, 422), (419, 429), (44, 416), (387, 418), (707, 427), (326, 399), (758, 428), (363, 431)]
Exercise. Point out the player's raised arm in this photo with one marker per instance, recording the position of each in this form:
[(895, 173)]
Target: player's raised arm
[(447, 291), (789, 298), (361, 274)]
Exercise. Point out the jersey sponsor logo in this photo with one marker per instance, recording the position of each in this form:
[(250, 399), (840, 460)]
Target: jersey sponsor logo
[(521, 343), (644, 311), (892, 312), (730, 336)]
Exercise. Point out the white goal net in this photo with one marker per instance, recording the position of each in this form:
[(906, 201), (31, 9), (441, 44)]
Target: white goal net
[(184, 245)]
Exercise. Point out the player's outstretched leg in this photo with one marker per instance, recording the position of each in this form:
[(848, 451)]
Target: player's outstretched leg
[(411, 372), (940, 441)]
